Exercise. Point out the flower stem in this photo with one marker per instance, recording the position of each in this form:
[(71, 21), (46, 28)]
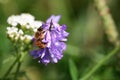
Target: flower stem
[(109, 24), (17, 70), (18, 63), (97, 66), (10, 68)]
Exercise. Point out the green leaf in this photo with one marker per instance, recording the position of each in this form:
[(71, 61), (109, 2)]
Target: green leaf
[(73, 70)]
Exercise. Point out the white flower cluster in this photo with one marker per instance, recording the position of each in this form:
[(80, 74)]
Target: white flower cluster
[(20, 24)]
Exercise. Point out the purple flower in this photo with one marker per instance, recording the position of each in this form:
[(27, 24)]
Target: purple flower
[(50, 39)]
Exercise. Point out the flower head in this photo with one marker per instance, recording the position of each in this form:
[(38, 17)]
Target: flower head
[(21, 27), (50, 38)]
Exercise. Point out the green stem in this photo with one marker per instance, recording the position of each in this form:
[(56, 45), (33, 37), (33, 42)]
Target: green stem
[(19, 63), (97, 66), (17, 70), (26, 76), (10, 68), (14, 63), (109, 24)]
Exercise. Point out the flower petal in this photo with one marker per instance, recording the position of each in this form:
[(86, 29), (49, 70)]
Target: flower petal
[(53, 18)]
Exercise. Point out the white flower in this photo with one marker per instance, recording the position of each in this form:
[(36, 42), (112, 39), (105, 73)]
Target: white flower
[(22, 38), (22, 19), (35, 25), (26, 19), (17, 37), (12, 31), (13, 20), (28, 37), (20, 32), (27, 25)]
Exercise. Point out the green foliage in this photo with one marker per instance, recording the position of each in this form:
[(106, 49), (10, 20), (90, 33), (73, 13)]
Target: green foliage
[(73, 70)]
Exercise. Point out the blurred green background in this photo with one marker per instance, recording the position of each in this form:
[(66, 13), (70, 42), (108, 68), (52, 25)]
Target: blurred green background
[(87, 44)]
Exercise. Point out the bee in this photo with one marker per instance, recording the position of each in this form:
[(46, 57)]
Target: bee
[(39, 35)]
